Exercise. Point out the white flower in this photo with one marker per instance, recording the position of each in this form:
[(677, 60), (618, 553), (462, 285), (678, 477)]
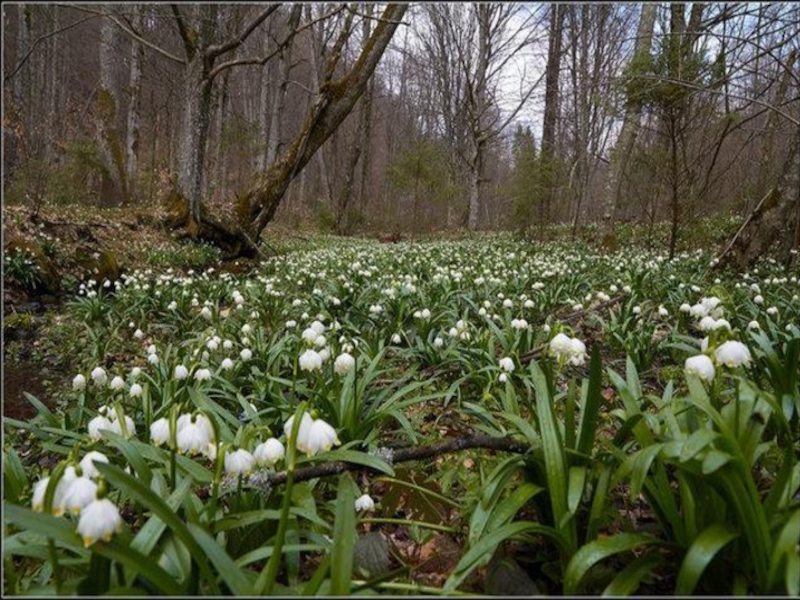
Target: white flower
[(396, 339), (321, 436), (99, 520), (685, 308), (528, 304), (227, 344), (181, 372), (759, 299), (720, 324), (507, 364), (270, 452), (239, 462), (365, 503), (700, 365), (753, 325), (39, 490), (135, 372), (321, 341), (159, 431), (637, 310), (344, 364), (310, 360), (706, 323), (519, 324), (577, 352), (502, 378), (116, 427), (211, 451), (246, 354), (87, 463), (772, 310), (560, 344), (246, 329), (95, 425), (99, 376), (153, 359), (302, 432), (138, 334), (202, 374), (79, 382), (507, 303), (136, 390), (426, 314), (206, 312), (291, 324), (662, 312), (438, 342), (227, 364), (212, 344), (733, 354), (81, 493), (193, 438), (318, 327), (310, 335), (151, 349)]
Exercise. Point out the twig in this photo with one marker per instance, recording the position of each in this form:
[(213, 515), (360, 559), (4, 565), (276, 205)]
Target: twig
[(482, 441), (749, 218)]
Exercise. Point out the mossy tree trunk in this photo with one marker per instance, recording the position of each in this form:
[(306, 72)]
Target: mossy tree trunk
[(335, 100), (114, 189)]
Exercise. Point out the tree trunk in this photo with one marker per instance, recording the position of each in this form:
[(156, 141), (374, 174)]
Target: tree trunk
[(547, 156), (107, 101), (194, 130), (134, 105), (220, 175), (333, 103), (630, 124), (275, 138), (55, 116)]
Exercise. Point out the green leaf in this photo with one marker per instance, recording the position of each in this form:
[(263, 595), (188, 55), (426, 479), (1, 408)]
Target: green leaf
[(355, 457), (577, 480), (592, 403), (15, 480), (144, 495), (627, 581), (147, 537), (130, 452), (230, 573), (43, 411), (482, 552), (344, 538), (785, 552), (592, 553), (702, 551)]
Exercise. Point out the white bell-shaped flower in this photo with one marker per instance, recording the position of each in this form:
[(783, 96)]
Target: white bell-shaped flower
[(99, 521), (270, 452), (81, 493), (733, 354), (239, 462), (344, 364), (700, 365), (88, 461), (364, 503)]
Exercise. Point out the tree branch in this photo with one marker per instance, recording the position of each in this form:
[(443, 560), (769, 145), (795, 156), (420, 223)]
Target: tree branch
[(188, 44), (218, 49), (262, 60), (41, 39), (127, 30), (480, 440)]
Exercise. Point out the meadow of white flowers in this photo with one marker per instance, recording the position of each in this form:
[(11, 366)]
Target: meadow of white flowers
[(626, 374)]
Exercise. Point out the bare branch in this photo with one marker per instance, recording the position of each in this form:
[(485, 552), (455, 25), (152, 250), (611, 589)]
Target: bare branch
[(41, 39), (188, 44), (480, 440), (126, 29), (218, 49)]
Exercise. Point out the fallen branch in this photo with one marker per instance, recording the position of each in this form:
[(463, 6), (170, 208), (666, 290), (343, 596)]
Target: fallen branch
[(482, 441)]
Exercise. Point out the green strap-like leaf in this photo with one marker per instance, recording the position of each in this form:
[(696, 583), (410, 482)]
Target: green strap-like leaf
[(230, 573), (591, 405), (344, 538), (627, 581), (593, 552), (710, 541)]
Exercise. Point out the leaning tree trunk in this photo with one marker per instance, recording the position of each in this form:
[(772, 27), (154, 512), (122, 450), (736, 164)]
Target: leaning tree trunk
[(107, 100), (630, 124), (335, 99), (552, 70)]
